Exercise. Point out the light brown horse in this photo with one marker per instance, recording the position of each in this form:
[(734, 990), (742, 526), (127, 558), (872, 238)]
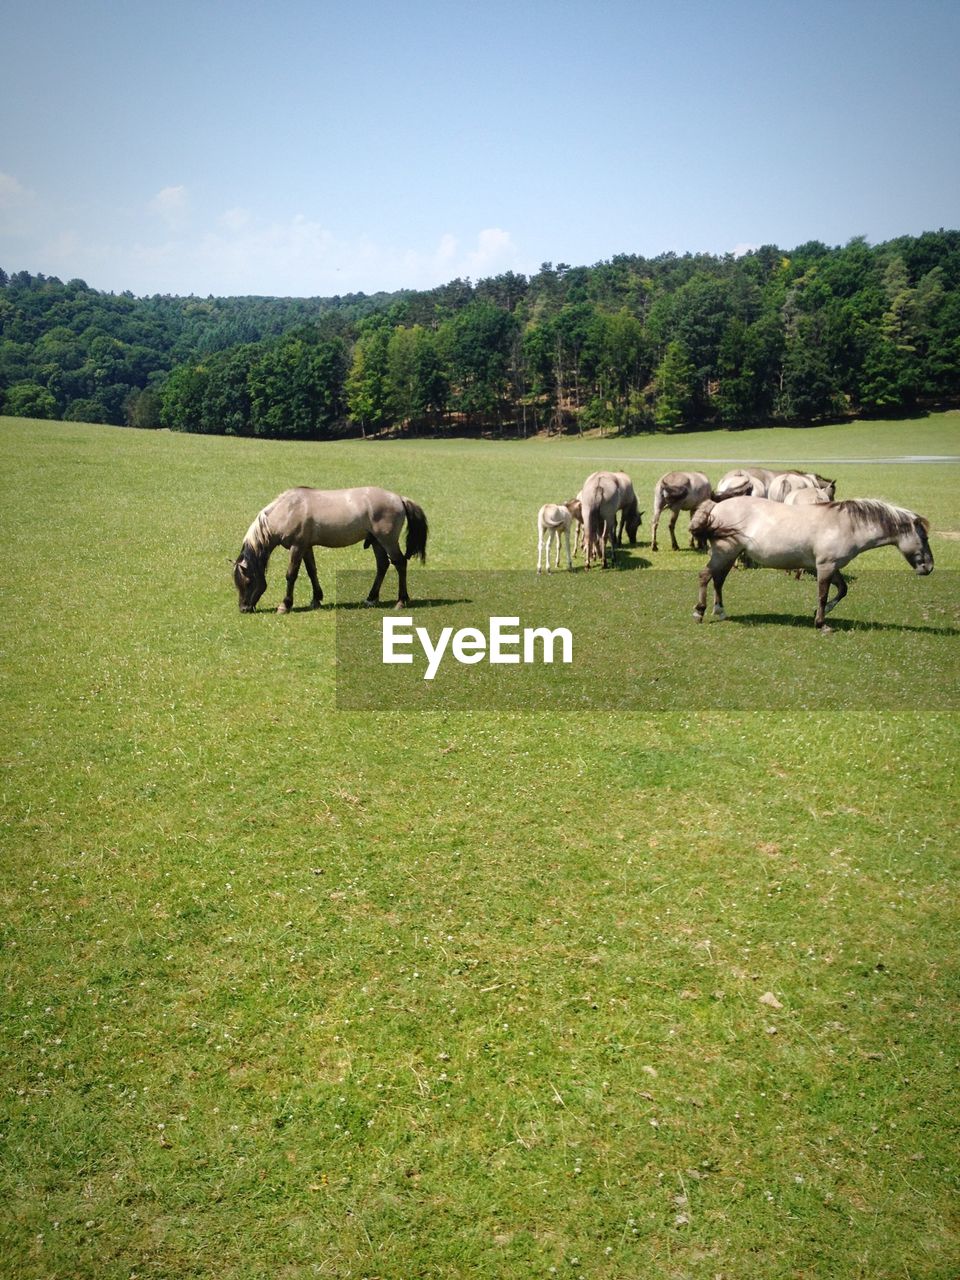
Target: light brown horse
[(787, 482), (821, 539), (675, 492), (756, 482), (301, 519), (605, 496)]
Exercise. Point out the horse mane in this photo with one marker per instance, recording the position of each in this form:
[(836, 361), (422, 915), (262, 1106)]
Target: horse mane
[(258, 541), (872, 511)]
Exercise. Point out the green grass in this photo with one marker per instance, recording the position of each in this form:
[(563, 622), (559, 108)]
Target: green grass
[(293, 992)]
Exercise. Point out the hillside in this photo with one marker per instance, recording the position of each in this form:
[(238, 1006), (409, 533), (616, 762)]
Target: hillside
[(629, 344)]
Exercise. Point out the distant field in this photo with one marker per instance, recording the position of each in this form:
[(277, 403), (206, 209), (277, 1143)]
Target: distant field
[(292, 991)]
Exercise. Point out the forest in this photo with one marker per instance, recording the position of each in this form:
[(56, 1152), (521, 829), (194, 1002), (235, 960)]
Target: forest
[(633, 344)]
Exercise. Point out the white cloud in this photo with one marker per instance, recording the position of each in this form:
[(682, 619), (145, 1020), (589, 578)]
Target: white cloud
[(238, 254), (739, 250), (12, 192), (171, 204)]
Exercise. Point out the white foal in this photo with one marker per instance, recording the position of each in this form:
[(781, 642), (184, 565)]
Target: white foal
[(553, 522)]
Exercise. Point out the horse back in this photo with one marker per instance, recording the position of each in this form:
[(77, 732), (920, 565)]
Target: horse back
[(335, 517)]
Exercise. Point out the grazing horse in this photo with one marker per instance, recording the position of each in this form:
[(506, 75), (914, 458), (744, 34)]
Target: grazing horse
[(604, 496), (301, 519), (756, 482), (743, 482), (787, 482), (677, 491), (553, 522), (821, 539), (630, 515)]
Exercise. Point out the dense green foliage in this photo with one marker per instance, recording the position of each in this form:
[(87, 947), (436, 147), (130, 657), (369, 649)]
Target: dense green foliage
[(630, 344)]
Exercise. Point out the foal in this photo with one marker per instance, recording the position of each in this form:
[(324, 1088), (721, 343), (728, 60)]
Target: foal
[(553, 522)]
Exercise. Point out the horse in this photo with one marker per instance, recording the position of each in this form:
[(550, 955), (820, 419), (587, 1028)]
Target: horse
[(604, 496), (787, 482), (756, 482), (743, 482), (810, 497), (631, 517), (301, 519), (821, 539), (677, 491), (553, 522)]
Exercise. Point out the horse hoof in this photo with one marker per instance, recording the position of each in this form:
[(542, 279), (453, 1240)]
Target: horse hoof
[(370, 604), (697, 615), (825, 630), (283, 608)]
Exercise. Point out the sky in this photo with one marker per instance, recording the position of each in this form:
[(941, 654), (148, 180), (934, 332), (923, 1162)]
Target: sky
[(297, 148)]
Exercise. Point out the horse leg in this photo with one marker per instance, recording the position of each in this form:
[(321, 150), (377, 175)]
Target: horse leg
[(840, 582), (399, 562), (540, 550), (293, 568), (719, 578), (557, 534), (383, 564), (656, 521), (566, 535), (716, 572), (825, 577), (311, 567), (674, 517)]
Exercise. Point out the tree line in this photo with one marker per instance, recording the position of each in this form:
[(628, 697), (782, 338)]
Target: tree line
[(627, 345)]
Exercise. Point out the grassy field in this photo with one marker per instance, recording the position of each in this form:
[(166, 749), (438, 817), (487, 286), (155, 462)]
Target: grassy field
[(292, 991)]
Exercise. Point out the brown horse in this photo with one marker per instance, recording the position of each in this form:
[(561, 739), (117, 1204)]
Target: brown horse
[(301, 519), (757, 482), (675, 492), (605, 496)]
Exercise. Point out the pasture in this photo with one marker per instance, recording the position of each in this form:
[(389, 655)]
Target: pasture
[(291, 991)]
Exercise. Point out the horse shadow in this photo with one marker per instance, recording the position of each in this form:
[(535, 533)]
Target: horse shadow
[(804, 622), (436, 602), (627, 562)]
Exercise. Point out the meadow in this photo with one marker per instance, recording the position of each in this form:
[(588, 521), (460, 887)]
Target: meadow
[(294, 991)]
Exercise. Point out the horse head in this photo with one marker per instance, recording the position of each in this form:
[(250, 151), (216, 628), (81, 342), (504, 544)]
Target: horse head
[(249, 579), (575, 507), (914, 546), (632, 522)]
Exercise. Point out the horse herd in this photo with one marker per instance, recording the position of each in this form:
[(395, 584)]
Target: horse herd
[(775, 519)]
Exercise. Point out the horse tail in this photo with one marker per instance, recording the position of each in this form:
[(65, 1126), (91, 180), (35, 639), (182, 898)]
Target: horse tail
[(417, 530), (703, 530), (591, 510)]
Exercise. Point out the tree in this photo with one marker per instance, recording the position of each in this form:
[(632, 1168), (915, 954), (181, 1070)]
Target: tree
[(30, 400), (367, 380), (476, 344), (675, 387)]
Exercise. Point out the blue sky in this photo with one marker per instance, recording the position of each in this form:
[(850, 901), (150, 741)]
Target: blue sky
[(296, 148)]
